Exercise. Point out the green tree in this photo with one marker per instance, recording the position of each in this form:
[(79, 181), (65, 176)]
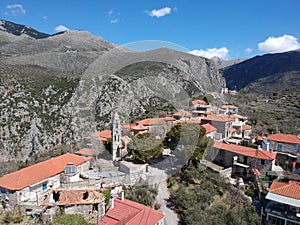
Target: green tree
[(188, 140), (145, 195), (145, 147)]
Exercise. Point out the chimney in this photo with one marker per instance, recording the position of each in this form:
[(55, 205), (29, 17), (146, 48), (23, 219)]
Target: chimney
[(112, 202), (122, 195)]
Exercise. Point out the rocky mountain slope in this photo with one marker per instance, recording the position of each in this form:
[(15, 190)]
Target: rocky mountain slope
[(266, 74), (222, 63), (17, 29), (54, 89)]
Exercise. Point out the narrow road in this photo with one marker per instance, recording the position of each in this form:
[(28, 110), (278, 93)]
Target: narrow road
[(159, 178)]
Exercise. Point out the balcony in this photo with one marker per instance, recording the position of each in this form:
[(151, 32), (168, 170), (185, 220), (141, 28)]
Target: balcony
[(278, 213)]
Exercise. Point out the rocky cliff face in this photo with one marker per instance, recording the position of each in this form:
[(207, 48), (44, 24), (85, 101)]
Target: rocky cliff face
[(55, 89)]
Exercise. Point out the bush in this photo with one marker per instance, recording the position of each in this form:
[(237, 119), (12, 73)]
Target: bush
[(12, 217), (70, 220), (250, 192), (145, 195)]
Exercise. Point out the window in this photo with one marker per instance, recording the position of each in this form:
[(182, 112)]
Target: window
[(298, 148), (70, 169), (44, 187), (262, 162), (279, 148)]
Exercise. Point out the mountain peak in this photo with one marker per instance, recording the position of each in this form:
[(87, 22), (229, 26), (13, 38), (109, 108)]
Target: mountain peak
[(17, 29)]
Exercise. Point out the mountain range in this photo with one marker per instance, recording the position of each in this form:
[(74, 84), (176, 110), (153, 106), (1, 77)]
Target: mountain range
[(56, 88), (265, 74)]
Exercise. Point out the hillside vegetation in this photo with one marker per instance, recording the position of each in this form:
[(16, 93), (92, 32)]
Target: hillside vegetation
[(279, 112), (203, 197)]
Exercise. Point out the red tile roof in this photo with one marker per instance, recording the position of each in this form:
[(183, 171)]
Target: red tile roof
[(246, 127), (183, 113), (198, 102), (284, 138), (218, 118), (152, 121), (103, 135), (246, 151), (127, 126), (229, 107), (236, 116), (169, 118), (140, 127), (38, 172), (188, 121), (108, 221), (291, 190), (209, 128), (131, 213), (75, 197), (85, 151)]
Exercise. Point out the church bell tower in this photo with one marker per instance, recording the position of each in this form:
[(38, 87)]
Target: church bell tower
[(116, 136)]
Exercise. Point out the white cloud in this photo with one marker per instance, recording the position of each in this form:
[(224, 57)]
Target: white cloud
[(279, 44), (160, 12), (112, 16), (61, 28), (248, 50), (15, 9), (110, 12), (116, 20), (211, 52)]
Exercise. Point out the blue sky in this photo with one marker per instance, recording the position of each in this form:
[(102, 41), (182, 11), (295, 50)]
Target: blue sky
[(227, 28)]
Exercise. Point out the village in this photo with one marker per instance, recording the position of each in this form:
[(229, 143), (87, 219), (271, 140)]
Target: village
[(77, 182)]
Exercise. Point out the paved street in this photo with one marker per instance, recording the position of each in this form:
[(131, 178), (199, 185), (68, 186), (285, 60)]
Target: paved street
[(159, 177)]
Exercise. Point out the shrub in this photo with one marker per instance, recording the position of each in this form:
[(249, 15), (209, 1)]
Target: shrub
[(70, 220)]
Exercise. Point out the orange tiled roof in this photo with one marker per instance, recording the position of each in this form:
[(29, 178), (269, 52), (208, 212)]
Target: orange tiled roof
[(131, 213), (169, 118), (152, 121), (284, 138), (108, 221), (229, 107), (291, 190), (209, 128), (246, 151), (188, 121), (103, 135), (183, 113), (38, 172), (236, 116), (75, 197), (127, 126), (85, 151), (198, 102), (219, 118), (140, 127), (246, 127)]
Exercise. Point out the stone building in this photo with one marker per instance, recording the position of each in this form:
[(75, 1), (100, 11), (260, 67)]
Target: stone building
[(27, 187)]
